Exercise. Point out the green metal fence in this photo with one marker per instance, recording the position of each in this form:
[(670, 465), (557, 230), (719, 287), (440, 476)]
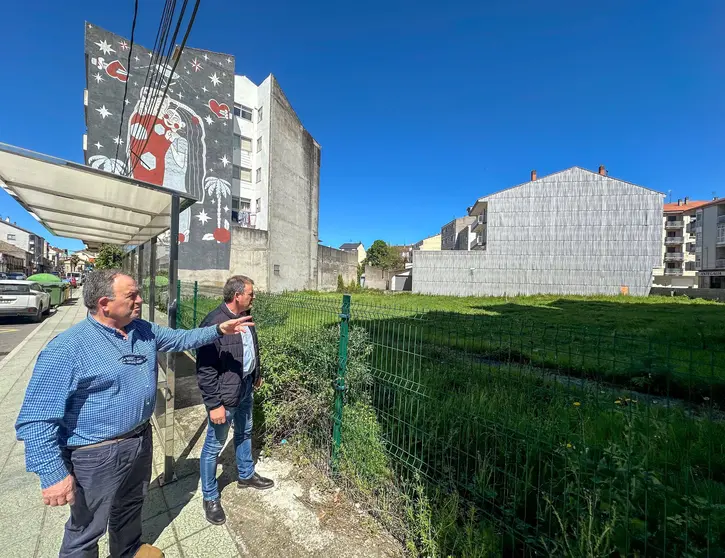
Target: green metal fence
[(476, 436)]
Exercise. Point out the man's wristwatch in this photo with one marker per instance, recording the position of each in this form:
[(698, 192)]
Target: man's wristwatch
[(219, 331)]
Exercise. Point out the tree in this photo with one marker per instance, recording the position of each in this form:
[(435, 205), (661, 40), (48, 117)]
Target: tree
[(384, 256), (110, 256), (74, 262), (340, 284)]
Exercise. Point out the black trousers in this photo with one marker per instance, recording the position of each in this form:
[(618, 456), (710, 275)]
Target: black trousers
[(111, 484)]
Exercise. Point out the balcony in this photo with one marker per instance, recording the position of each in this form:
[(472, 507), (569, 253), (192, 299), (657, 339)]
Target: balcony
[(674, 257), (721, 218), (720, 263), (479, 224), (673, 271), (674, 224), (674, 240)]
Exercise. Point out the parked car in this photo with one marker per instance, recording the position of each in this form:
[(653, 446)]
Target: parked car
[(3, 275), (77, 275), (23, 298), (15, 276)]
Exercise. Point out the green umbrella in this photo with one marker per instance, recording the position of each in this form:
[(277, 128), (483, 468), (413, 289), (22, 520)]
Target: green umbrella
[(44, 278)]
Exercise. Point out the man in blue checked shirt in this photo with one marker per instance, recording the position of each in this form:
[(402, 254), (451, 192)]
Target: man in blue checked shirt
[(85, 418)]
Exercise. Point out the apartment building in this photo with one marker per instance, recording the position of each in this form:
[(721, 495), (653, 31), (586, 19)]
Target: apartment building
[(571, 232), (678, 245), (356, 247), (457, 234), (709, 229), (29, 242), (429, 243)]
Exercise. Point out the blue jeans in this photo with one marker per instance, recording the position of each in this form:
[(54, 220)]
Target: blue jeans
[(111, 484), (216, 435)]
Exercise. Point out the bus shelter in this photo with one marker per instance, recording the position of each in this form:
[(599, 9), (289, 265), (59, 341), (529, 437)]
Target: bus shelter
[(98, 207)]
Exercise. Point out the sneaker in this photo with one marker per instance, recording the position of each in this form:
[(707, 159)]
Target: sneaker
[(255, 481), (214, 512)]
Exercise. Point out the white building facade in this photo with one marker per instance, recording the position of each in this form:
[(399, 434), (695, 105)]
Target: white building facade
[(572, 232), (679, 238)]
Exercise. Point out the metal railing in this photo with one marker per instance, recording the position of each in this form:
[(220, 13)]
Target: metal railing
[(673, 240), (674, 256), (720, 263), (520, 436), (674, 224), (673, 271)]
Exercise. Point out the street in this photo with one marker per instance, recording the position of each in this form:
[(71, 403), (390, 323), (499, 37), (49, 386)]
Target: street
[(12, 332)]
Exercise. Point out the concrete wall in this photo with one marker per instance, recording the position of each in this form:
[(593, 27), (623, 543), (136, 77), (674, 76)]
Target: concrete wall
[(572, 232), (376, 278), (294, 195), (709, 294), (249, 256), (21, 240), (331, 263), (709, 237)]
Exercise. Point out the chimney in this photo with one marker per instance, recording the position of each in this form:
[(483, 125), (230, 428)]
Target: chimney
[(679, 202), (533, 175), (602, 170), (686, 199)]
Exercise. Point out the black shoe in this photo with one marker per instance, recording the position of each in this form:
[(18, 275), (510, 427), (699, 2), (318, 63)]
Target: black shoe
[(260, 483), (214, 512)]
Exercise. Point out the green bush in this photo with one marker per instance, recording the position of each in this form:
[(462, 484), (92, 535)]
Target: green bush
[(340, 284)]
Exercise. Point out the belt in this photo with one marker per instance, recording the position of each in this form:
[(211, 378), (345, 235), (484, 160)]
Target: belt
[(138, 431)]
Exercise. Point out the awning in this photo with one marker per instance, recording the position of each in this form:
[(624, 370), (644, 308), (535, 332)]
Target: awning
[(92, 205)]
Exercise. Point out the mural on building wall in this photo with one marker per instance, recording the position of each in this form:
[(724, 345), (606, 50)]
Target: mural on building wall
[(173, 128)]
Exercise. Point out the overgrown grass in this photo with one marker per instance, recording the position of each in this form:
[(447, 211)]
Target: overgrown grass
[(470, 435)]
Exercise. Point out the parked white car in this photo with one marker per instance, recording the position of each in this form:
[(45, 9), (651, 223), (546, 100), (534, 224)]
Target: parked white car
[(23, 298)]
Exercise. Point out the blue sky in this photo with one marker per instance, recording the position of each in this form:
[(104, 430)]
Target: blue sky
[(422, 107)]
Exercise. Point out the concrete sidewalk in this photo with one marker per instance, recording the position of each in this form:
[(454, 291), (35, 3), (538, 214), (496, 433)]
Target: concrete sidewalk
[(303, 516)]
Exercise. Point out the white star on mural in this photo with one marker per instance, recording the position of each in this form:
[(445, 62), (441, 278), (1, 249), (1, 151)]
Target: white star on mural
[(188, 73), (196, 65), (124, 45), (103, 111), (223, 74), (136, 58), (98, 145), (206, 57), (180, 96), (197, 96), (126, 101), (224, 161), (117, 140), (203, 217), (208, 119), (98, 77), (226, 208), (149, 53), (204, 89), (229, 60), (105, 47), (90, 26), (135, 84), (215, 79)]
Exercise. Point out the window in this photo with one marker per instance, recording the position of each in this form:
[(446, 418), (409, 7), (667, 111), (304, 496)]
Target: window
[(259, 144), (721, 234), (246, 143), (258, 208), (241, 211), (276, 269), (243, 112), (259, 174), (11, 236), (240, 173), (259, 114)]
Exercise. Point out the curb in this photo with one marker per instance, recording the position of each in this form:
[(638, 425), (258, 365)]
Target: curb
[(17, 349)]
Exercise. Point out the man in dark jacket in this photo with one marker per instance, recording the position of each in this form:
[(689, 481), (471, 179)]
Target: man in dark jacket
[(228, 371)]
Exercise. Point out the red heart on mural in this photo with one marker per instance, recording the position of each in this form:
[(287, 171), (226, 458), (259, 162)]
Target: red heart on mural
[(220, 109)]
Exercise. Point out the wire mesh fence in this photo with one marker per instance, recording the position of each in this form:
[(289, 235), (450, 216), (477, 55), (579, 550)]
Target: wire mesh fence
[(474, 436)]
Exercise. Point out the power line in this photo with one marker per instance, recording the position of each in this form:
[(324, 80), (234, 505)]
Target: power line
[(177, 57), (125, 88)]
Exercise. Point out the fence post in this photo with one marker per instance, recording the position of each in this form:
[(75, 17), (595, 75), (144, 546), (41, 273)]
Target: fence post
[(178, 303), (339, 382), (196, 295)]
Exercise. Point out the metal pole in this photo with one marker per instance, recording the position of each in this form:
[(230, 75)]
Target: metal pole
[(152, 280), (171, 357), (339, 383), (196, 295), (140, 271)]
